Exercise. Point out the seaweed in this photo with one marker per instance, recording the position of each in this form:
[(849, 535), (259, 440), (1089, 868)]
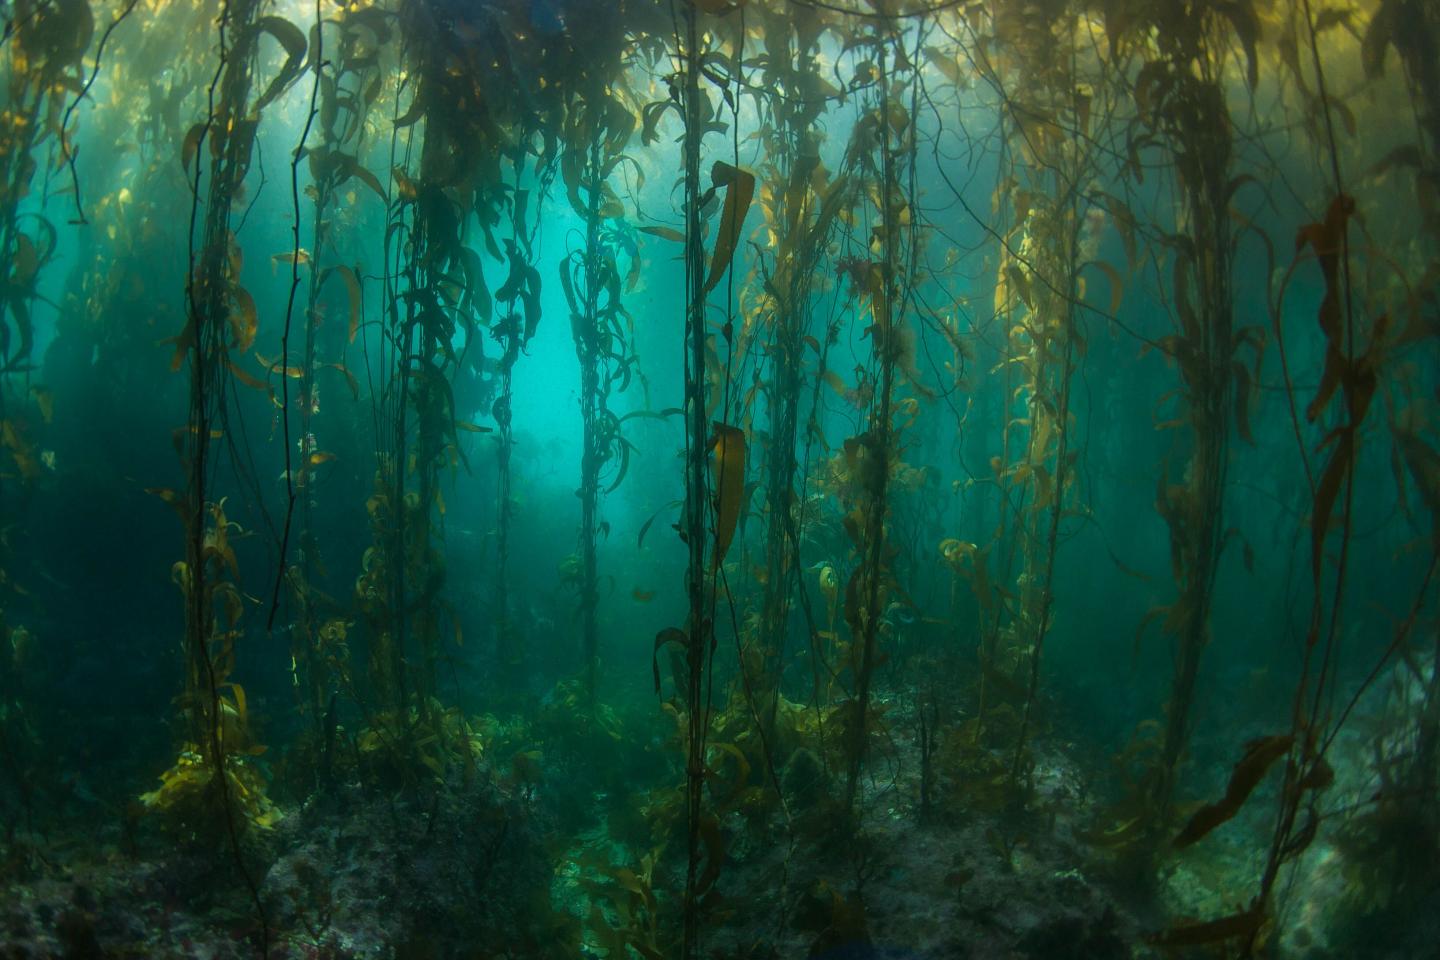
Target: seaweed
[(917, 455), (1260, 755)]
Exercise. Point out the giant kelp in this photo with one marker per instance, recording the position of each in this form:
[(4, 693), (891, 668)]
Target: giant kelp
[(980, 340)]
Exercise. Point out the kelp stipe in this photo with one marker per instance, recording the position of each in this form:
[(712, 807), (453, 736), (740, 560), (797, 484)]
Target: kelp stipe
[(1189, 116), (210, 773), (918, 440), (800, 202), (882, 283), (345, 85), (1037, 292), (696, 636), (1358, 352), (43, 51), (598, 127), (46, 44)]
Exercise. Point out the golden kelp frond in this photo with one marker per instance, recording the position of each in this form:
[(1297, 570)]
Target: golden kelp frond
[(248, 379), (185, 791), (276, 366), (350, 380), (244, 322), (14, 438), (298, 257), (177, 502)]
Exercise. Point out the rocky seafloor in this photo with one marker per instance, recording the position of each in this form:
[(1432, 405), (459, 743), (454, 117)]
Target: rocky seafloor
[(483, 871)]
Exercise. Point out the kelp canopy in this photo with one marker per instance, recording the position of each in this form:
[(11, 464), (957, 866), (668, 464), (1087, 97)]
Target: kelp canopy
[(720, 478)]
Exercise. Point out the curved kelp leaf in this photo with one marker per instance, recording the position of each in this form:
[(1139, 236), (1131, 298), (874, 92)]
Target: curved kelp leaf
[(244, 321), (1242, 18), (1244, 924), (1378, 36), (24, 328), (477, 294), (350, 380), (276, 367), (326, 164), (292, 39), (191, 144), (664, 233), (668, 635), (1259, 755), (729, 468), (352, 291), (1327, 239), (1117, 285), (1424, 465), (739, 190)]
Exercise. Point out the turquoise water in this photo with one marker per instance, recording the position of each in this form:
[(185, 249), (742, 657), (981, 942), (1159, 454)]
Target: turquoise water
[(724, 479)]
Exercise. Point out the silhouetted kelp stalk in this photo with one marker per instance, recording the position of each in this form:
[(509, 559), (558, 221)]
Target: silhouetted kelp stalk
[(1412, 27), (592, 405), (346, 84), (720, 445), (1353, 375), (507, 332), (209, 294), (399, 518), (434, 289), (43, 51), (886, 129), (703, 569), (1047, 156), (542, 116), (1181, 101), (699, 630), (1403, 826), (1051, 111), (69, 151), (801, 205), (40, 62), (113, 253), (215, 705), (987, 566), (598, 127), (303, 635)]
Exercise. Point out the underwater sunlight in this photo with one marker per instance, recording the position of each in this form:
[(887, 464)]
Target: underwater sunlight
[(720, 479)]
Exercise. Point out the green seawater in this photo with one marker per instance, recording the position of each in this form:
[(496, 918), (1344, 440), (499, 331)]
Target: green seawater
[(719, 479)]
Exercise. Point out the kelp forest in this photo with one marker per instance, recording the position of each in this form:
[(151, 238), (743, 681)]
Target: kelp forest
[(719, 479)]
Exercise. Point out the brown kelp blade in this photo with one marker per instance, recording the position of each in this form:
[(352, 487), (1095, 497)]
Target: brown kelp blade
[(739, 189), (1424, 465), (352, 293), (729, 467), (1259, 755), (1245, 924), (668, 635)]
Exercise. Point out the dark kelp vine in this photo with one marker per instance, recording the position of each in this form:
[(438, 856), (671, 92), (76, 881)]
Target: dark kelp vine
[(1024, 383)]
